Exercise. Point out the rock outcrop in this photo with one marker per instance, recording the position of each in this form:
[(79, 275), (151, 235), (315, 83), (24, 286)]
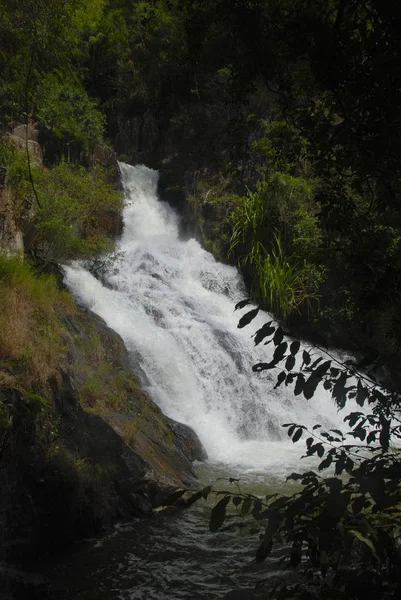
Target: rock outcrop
[(100, 451)]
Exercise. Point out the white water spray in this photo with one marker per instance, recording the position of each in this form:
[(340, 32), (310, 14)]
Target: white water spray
[(172, 303)]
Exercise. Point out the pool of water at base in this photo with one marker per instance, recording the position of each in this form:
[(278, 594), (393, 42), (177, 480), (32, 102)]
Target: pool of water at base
[(173, 555)]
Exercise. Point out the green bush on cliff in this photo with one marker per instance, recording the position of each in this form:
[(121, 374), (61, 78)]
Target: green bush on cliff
[(72, 220), (66, 110)]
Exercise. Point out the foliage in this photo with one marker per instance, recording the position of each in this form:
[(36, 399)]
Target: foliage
[(69, 222), (340, 532), (30, 335), (277, 234), (66, 110), (286, 284)]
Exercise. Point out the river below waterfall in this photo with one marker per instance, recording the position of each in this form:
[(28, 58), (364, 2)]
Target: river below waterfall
[(172, 303)]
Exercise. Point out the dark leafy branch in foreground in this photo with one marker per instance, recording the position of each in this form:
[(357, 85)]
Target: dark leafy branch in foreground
[(341, 532)]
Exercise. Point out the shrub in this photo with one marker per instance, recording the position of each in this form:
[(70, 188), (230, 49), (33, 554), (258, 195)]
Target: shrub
[(73, 203), (67, 111), (277, 235)]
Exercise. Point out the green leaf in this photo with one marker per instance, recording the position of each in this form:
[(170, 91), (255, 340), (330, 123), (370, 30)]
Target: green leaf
[(363, 539)]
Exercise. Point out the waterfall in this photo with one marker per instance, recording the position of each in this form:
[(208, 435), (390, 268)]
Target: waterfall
[(173, 305)]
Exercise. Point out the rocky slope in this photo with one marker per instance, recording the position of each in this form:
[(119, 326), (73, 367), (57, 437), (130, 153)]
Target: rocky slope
[(82, 445)]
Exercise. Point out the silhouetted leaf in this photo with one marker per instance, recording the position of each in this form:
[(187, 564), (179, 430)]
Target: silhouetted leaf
[(290, 378), (297, 434), (294, 348), (280, 351), (263, 332), (314, 379), (246, 505), (353, 418), (264, 366), (361, 394), (267, 540), (290, 363), (358, 504), (173, 497), (320, 450), (242, 303), (218, 514), (291, 429), (281, 377), (339, 392), (278, 336), (326, 462), (200, 494), (299, 386), (384, 436), (317, 361), (306, 357), (247, 318)]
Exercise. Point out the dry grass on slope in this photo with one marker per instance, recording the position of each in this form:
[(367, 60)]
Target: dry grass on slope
[(30, 336)]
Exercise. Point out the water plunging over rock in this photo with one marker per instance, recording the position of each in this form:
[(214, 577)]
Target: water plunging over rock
[(172, 303)]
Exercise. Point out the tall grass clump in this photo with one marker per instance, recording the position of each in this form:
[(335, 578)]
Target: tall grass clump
[(30, 332), (276, 237)]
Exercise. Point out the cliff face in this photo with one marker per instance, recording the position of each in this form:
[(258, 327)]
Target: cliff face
[(97, 450)]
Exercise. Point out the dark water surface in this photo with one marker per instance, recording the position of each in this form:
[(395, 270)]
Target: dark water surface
[(172, 555)]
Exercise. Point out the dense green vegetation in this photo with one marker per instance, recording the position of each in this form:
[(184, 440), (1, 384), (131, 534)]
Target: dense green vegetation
[(291, 106), (269, 98)]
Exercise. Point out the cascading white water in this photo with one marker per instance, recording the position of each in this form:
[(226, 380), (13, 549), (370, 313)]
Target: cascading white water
[(172, 303)]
